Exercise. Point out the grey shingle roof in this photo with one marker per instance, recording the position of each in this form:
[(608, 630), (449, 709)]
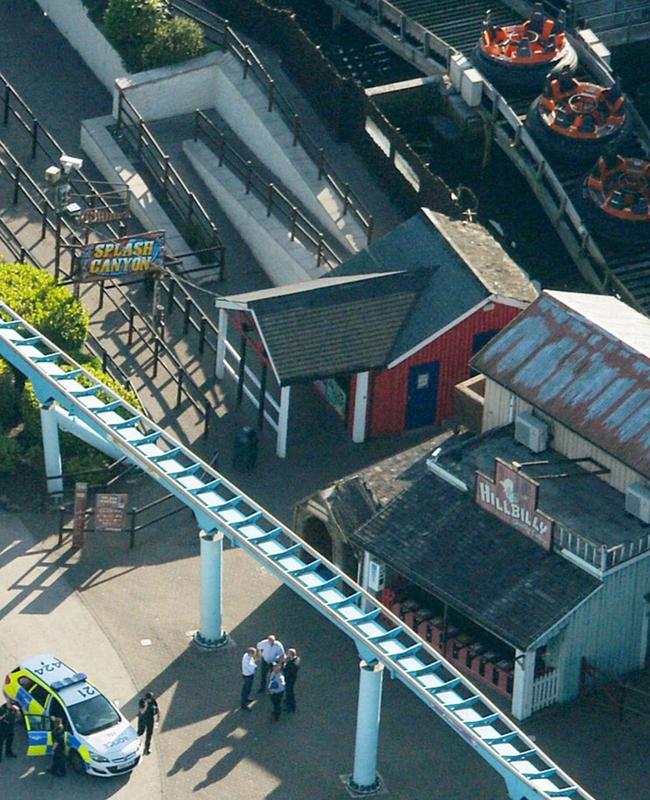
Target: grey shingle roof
[(436, 536), (333, 326), (470, 266), (585, 361)]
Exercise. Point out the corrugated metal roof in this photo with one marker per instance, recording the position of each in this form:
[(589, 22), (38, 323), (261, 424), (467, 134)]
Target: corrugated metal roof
[(584, 360)]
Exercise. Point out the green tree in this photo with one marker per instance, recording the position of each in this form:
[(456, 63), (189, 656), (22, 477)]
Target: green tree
[(130, 25), (52, 309), (175, 40)]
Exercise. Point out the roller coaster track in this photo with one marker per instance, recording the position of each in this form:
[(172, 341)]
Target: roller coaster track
[(218, 505)]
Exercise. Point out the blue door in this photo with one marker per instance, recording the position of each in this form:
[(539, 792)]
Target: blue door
[(422, 395)]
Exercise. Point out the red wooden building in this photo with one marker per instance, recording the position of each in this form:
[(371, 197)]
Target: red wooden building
[(388, 334)]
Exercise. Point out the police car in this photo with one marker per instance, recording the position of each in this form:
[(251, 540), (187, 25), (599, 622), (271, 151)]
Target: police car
[(99, 739)]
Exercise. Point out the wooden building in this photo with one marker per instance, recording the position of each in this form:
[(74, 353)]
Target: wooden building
[(385, 337), (522, 552)]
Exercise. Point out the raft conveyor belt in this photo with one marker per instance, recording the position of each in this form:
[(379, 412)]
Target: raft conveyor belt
[(458, 23), (219, 505)]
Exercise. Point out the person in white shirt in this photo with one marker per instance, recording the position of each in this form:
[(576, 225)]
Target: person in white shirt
[(248, 670), (270, 650)]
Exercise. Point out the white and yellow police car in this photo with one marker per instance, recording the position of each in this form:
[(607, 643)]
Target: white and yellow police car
[(99, 739)]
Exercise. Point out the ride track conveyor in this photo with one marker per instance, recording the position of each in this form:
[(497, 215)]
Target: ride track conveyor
[(218, 505), (621, 267)]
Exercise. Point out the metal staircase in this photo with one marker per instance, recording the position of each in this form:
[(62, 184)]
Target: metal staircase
[(219, 505)]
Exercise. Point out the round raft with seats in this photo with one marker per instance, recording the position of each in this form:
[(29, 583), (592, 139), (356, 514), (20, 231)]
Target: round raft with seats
[(521, 55), (616, 199), (574, 121)]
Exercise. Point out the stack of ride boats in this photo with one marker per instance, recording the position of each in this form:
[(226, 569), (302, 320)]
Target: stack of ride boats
[(572, 121)]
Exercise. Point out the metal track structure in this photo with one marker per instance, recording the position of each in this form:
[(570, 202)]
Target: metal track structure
[(220, 507), (431, 34)]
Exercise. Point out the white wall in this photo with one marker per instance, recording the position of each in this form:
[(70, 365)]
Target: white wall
[(71, 18), (171, 91)]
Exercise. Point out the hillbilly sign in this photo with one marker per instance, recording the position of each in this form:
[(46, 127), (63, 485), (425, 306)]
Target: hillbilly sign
[(512, 497), (125, 256)]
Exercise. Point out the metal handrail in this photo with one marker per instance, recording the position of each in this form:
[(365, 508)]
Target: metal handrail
[(274, 200), (131, 127), (228, 40)]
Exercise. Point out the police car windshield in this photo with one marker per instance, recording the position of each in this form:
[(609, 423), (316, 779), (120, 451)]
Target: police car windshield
[(93, 715)]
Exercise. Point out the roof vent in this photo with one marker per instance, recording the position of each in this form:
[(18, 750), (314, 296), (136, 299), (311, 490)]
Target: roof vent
[(531, 432), (637, 501)]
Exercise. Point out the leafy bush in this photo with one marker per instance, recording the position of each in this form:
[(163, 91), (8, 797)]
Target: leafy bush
[(52, 309), (175, 40), (130, 25), (8, 456), (8, 397)]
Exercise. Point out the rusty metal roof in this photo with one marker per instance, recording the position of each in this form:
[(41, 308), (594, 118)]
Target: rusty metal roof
[(584, 360)]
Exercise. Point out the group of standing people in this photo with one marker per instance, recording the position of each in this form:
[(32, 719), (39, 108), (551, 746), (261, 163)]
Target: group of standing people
[(278, 674)]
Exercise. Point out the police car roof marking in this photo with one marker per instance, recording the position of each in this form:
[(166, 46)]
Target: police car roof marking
[(38, 666), (71, 697)]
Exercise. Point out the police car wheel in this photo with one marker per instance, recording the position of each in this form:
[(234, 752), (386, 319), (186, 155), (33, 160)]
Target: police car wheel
[(76, 762)]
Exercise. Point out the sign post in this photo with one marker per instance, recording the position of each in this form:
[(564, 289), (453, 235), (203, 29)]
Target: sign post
[(79, 520), (110, 512)]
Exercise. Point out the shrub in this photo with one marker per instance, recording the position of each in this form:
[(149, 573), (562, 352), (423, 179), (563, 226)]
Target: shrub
[(175, 40), (130, 25), (8, 396), (8, 456), (52, 309)]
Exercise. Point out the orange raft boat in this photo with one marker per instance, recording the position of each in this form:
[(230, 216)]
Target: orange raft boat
[(577, 121), (521, 55), (616, 196)]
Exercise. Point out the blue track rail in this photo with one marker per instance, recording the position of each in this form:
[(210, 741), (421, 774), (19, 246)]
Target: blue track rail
[(219, 505)]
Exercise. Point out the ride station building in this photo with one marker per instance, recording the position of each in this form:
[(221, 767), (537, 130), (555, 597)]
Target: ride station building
[(385, 337), (521, 552)]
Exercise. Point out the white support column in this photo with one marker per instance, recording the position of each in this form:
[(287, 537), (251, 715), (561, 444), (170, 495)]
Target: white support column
[(51, 449), (220, 358), (283, 421), (211, 634), (364, 778), (360, 408), (522, 689)]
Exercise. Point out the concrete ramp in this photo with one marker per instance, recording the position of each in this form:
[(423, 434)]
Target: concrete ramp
[(218, 81), (244, 106), (283, 260)]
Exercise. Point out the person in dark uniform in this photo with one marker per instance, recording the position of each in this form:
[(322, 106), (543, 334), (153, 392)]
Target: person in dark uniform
[(290, 669), (58, 750), (8, 717), (148, 713)]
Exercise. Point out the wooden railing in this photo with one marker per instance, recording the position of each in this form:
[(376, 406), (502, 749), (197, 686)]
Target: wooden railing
[(193, 221)]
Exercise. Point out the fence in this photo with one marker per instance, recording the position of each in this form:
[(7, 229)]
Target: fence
[(545, 690), (195, 225), (217, 31), (276, 203), (133, 525)]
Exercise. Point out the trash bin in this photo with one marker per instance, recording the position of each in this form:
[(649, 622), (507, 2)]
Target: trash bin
[(244, 454)]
